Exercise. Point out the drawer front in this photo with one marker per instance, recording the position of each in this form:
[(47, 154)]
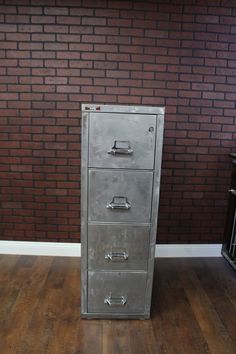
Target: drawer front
[(120, 195), (116, 292), (118, 247), (122, 140)]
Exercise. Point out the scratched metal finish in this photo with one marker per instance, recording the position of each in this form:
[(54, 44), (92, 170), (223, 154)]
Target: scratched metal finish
[(138, 131), (135, 185), (116, 284), (118, 246), (132, 240)]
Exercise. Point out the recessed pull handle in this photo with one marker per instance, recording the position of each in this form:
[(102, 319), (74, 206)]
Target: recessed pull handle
[(121, 147), (120, 203), (116, 256), (232, 191), (115, 301)]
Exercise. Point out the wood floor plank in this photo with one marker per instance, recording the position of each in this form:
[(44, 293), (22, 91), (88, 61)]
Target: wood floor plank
[(178, 321), (29, 286), (213, 329), (91, 336), (6, 265), (47, 314), (193, 310), (219, 297), (224, 274), (115, 336)]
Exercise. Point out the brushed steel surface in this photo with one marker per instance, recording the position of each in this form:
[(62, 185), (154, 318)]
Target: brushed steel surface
[(127, 262), (102, 285), (107, 128), (136, 186), (155, 208), (132, 239), (84, 212)]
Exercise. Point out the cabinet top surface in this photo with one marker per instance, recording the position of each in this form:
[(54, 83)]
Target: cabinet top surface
[(122, 109)]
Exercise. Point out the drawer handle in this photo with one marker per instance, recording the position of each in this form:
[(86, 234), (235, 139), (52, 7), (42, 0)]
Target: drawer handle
[(232, 191), (121, 148), (116, 256), (115, 301), (120, 203)]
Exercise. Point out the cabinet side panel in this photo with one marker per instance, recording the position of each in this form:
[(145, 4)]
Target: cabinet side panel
[(84, 208), (155, 206)]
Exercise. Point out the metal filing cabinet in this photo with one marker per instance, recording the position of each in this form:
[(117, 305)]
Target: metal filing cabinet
[(121, 167)]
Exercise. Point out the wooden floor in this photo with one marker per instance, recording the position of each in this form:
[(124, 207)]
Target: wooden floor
[(194, 310)]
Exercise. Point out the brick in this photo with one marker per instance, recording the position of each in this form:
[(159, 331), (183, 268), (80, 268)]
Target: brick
[(106, 30), (223, 104), (225, 88), (17, 54), (229, 20), (226, 71), (194, 27), (56, 29), (227, 55), (218, 46), (224, 136), (192, 61), (31, 63), (219, 10), (67, 38), (216, 62), (7, 28), (230, 112), (8, 9), (213, 95), (227, 38), (105, 81), (43, 19), (206, 36), (93, 38), (219, 28), (30, 46), (201, 102), (30, 10), (120, 74), (191, 77), (189, 110), (43, 37), (212, 111), (17, 19), (141, 91), (214, 79), (56, 11), (129, 100), (205, 53), (207, 19), (202, 87)]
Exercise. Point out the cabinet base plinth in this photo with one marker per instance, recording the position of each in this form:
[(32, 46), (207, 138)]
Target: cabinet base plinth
[(115, 316)]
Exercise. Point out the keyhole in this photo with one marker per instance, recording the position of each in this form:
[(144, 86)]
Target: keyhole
[(151, 129)]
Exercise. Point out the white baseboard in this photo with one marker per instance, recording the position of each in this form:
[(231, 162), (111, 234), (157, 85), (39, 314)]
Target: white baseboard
[(74, 249), (40, 248), (188, 250)]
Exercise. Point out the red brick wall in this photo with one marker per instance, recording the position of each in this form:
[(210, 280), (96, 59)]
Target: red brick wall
[(56, 55)]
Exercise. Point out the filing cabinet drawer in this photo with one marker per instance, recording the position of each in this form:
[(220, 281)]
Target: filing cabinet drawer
[(116, 292), (118, 247), (116, 195), (122, 141)]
